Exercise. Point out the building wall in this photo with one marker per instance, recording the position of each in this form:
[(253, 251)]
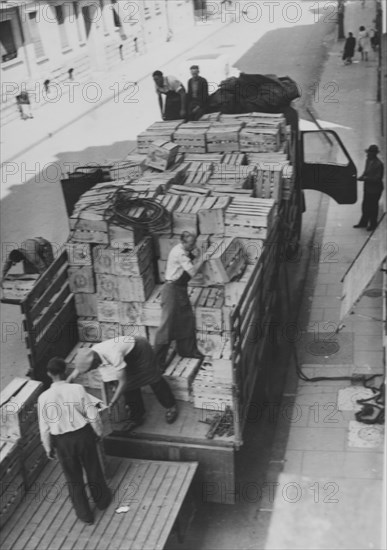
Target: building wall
[(53, 36)]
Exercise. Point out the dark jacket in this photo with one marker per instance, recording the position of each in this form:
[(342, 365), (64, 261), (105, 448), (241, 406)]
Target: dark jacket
[(349, 47), (202, 95), (373, 176)]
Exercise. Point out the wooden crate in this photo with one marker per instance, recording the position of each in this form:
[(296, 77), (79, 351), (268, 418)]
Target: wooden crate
[(287, 182), (268, 183), (151, 309), (165, 244), (156, 131), (16, 287), (18, 410), (88, 227), (224, 261), (33, 456), (197, 179), (209, 393), (209, 344), (191, 136), (124, 237), (108, 311), (208, 310), (250, 218), (234, 290), (223, 137), (12, 486), (130, 313), (81, 279), (86, 305), (107, 287), (185, 217), (203, 157), (211, 117), (88, 219), (161, 154), (252, 249), (110, 331), (134, 330), (180, 374), (211, 220), (89, 329), (235, 159), (103, 259), (78, 254), (136, 289), (189, 191), (133, 262)]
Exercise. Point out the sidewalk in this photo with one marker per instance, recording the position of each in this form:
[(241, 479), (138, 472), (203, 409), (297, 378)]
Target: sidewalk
[(19, 136), (329, 472)]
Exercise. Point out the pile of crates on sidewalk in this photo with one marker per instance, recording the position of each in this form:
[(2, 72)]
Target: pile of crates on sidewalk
[(22, 456), (224, 182)]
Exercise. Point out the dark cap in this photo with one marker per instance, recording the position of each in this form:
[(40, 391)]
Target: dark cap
[(372, 149), (194, 67)]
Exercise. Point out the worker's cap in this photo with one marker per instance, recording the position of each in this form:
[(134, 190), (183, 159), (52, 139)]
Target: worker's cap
[(372, 149), (84, 359), (194, 67)]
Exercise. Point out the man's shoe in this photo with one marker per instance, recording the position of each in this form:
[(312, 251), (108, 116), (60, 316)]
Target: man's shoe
[(371, 228), (171, 415), (359, 225)]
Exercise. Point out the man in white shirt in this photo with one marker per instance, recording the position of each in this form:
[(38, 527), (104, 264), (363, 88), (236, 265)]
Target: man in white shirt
[(135, 365), (69, 424), (175, 97), (177, 317)]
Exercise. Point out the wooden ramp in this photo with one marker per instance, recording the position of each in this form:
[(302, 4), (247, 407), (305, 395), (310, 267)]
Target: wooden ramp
[(153, 490)]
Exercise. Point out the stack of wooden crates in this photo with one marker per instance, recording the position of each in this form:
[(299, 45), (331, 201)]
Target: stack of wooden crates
[(22, 456), (230, 187)]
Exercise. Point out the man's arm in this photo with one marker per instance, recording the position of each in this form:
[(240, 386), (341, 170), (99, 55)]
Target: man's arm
[(161, 104), (7, 266), (90, 410), (192, 267), (44, 428), (122, 381), (72, 376), (205, 91)]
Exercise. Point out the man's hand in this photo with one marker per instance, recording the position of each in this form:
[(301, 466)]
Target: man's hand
[(51, 454), (182, 113)]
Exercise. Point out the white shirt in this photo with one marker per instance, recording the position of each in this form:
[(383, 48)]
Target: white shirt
[(113, 352), (65, 408), (178, 262), (170, 84)]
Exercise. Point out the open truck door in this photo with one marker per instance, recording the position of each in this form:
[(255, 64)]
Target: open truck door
[(327, 167)]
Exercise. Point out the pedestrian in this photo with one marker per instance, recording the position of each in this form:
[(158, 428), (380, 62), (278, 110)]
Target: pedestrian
[(364, 43), (35, 253), (70, 426), (349, 49), (373, 188), (175, 97), (177, 317), (374, 38), (135, 364), (197, 94), (24, 105)]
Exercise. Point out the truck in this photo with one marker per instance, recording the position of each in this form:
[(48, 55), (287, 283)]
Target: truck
[(318, 160)]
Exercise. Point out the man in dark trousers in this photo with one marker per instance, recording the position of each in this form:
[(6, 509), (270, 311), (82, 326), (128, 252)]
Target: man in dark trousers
[(35, 253), (135, 365), (69, 425), (373, 188), (349, 49), (197, 95), (177, 317), (175, 97)]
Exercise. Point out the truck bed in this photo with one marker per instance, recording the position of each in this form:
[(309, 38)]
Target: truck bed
[(154, 491)]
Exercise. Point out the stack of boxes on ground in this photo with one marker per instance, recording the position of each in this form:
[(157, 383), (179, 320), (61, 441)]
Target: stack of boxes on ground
[(222, 178), (22, 456)]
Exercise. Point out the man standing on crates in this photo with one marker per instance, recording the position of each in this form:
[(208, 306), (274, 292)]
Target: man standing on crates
[(134, 365), (177, 317), (69, 426)]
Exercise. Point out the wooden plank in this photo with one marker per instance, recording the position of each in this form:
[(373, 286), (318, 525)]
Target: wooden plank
[(43, 282)]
